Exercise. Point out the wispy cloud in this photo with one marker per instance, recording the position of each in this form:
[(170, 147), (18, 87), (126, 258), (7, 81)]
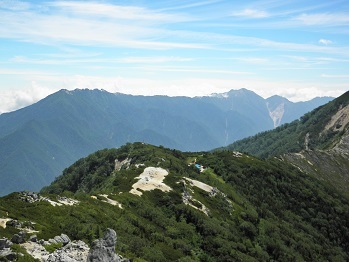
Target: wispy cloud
[(7, 71), (78, 23), (151, 60), (325, 19), (325, 41), (334, 76), (15, 99), (221, 41), (129, 60), (123, 26), (14, 5), (196, 70), (171, 47), (252, 60), (118, 12), (295, 91), (251, 13), (190, 5)]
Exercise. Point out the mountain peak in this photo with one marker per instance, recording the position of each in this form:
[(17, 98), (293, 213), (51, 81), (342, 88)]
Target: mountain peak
[(234, 93)]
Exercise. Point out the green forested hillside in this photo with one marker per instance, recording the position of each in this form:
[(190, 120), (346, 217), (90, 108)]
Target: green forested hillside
[(309, 132), (244, 209)]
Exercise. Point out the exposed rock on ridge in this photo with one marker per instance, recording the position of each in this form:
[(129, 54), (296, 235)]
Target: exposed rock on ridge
[(103, 250)]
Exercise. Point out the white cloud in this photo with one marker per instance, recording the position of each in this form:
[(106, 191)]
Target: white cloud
[(82, 60), (156, 59), (115, 31), (118, 12), (194, 70), (251, 13), (42, 86), (15, 99), (60, 28), (325, 19), (308, 92), (325, 41), (335, 76), (14, 5), (252, 60)]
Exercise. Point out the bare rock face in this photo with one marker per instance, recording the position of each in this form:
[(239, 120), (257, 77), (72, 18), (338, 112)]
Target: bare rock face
[(103, 250)]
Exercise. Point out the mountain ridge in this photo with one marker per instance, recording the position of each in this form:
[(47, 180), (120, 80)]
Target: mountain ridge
[(235, 207), (317, 144), (56, 131)]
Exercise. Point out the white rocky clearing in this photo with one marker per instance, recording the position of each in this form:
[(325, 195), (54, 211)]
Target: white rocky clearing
[(151, 178), (199, 184), (3, 222), (61, 201), (110, 201)]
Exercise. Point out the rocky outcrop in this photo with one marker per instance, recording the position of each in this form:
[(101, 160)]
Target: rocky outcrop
[(122, 164), (32, 197), (29, 197), (75, 251), (5, 250), (103, 250), (18, 238), (71, 251), (26, 226), (5, 243)]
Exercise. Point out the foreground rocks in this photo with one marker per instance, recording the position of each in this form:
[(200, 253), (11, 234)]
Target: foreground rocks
[(5, 249), (102, 250), (75, 251)]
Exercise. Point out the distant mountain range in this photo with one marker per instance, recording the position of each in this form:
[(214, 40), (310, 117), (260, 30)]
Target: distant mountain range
[(289, 202), (39, 141)]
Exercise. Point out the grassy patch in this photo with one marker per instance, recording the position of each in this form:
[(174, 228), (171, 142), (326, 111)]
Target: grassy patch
[(53, 247)]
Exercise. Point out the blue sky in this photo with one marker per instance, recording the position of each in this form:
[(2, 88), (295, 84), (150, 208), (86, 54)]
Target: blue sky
[(297, 49)]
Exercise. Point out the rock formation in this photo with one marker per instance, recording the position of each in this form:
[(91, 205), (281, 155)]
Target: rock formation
[(103, 250)]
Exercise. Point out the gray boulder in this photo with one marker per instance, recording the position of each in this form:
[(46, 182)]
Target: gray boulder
[(8, 254), (103, 250), (65, 239), (33, 238), (18, 238), (5, 243), (58, 239), (52, 241)]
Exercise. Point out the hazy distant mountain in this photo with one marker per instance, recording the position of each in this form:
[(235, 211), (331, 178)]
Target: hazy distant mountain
[(284, 111), (38, 141)]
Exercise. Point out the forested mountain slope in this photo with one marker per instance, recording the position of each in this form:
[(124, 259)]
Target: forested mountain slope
[(39, 141), (318, 143), (321, 128), (229, 207)]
